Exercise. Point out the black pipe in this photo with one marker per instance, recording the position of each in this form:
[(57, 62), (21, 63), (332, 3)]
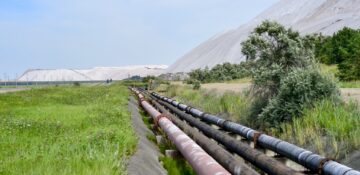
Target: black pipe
[(257, 158), (226, 159), (312, 161)]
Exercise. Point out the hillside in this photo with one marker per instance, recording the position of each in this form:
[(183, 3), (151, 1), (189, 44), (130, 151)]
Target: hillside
[(97, 73), (306, 16)]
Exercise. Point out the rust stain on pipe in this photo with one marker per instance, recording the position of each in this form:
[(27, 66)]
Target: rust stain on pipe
[(202, 163)]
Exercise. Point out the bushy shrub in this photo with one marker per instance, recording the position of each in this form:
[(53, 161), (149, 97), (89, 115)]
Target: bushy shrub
[(301, 88), (284, 77), (77, 84), (196, 85)]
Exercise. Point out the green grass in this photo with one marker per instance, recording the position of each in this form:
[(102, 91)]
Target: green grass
[(240, 81), (177, 166), (66, 130), (350, 84), (332, 129), (329, 69), (234, 106)]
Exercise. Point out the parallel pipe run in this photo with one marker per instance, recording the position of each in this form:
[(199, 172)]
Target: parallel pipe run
[(227, 160), (255, 157), (202, 163), (312, 161)]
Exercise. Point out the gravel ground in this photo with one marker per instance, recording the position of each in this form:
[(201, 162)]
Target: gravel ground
[(145, 160)]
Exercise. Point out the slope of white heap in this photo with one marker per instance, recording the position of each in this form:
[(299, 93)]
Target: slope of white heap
[(97, 73), (306, 16)]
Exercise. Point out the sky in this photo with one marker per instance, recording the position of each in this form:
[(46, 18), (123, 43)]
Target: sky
[(82, 34)]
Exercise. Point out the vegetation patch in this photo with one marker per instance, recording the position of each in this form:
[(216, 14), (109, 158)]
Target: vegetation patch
[(177, 166), (342, 49), (66, 130), (231, 105), (328, 128)]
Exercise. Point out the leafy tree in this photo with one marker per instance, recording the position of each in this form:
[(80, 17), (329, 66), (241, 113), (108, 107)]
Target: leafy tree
[(343, 49), (349, 68), (277, 51), (285, 76)]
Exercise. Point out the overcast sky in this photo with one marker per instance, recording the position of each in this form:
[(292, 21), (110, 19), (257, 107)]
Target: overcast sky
[(87, 33)]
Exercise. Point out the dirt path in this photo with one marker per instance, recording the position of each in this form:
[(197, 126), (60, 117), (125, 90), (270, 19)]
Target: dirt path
[(145, 160), (6, 90), (351, 93)]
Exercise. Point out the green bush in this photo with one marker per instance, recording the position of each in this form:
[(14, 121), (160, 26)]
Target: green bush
[(196, 85), (284, 75), (77, 84), (299, 89)]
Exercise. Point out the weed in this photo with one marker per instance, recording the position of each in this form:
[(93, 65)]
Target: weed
[(65, 130)]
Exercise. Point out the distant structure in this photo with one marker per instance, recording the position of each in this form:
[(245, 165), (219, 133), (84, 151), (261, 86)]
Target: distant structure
[(95, 74)]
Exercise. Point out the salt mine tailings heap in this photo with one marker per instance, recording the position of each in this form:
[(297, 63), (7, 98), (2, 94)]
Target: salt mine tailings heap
[(313, 162), (201, 162)]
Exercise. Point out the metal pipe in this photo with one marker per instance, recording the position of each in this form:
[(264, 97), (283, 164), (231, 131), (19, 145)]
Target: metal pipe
[(227, 160), (202, 163), (312, 161), (257, 158)]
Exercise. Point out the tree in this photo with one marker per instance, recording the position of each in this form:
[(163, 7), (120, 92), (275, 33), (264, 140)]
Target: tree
[(285, 76), (277, 51), (349, 68)]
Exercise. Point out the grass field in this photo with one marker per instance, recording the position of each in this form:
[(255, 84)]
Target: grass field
[(66, 130)]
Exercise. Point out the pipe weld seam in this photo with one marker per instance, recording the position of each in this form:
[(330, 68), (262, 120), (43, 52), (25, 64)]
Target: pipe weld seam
[(188, 108), (322, 163), (256, 138), (156, 122)]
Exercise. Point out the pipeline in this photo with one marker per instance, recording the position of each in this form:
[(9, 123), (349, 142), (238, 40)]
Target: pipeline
[(202, 163), (255, 157), (227, 160), (312, 161)]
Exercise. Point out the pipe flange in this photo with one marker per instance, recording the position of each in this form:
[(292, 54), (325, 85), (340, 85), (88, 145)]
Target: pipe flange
[(156, 122), (255, 139), (188, 108)]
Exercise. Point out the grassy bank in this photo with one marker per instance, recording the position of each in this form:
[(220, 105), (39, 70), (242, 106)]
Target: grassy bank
[(65, 130), (329, 129)]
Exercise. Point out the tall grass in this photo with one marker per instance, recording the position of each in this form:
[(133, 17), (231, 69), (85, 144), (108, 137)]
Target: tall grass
[(349, 84), (65, 130), (231, 105), (330, 129)]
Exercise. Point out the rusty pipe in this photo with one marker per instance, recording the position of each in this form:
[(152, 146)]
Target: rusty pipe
[(227, 160), (312, 161), (257, 158), (202, 163)]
